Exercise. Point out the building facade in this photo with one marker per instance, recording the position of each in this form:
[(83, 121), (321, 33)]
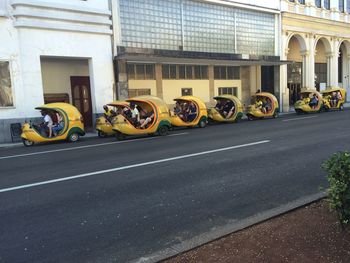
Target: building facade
[(170, 48), (53, 50), (316, 39)]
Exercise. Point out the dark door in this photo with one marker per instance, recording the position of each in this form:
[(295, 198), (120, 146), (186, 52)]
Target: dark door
[(81, 97), (268, 79), (294, 93)]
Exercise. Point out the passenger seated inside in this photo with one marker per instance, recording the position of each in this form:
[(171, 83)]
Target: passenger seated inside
[(181, 110), (135, 115), (45, 128), (229, 109), (259, 104), (220, 106), (146, 119), (191, 112), (314, 101), (58, 124), (267, 105)]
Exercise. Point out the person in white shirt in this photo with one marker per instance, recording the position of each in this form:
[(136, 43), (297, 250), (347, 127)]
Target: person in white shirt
[(135, 114), (48, 123)]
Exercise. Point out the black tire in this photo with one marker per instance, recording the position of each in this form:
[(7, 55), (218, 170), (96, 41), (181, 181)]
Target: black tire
[(101, 134), (275, 114), (341, 107), (73, 137), (27, 143), (202, 123), (211, 121), (119, 136), (163, 130), (250, 117)]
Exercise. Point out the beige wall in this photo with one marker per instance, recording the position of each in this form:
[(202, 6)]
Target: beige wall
[(294, 50), (172, 89), (144, 84), (320, 53), (56, 74), (228, 83)]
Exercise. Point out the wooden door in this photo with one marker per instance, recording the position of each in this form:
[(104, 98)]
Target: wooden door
[(81, 97)]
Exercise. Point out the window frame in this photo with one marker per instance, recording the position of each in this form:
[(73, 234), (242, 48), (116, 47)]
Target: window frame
[(234, 91)]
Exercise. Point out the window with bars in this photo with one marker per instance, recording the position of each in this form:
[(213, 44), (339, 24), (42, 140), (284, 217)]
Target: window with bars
[(228, 91), (140, 71), (139, 92), (222, 72), (184, 72), (186, 92)]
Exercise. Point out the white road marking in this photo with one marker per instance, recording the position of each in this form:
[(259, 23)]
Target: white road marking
[(301, 118), (86, 146), (130, 166)]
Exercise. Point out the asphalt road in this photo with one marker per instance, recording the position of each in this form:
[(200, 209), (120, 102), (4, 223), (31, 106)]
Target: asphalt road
[(105, 201)]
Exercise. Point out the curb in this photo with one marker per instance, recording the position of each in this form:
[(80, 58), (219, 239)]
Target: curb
[(234, 226)]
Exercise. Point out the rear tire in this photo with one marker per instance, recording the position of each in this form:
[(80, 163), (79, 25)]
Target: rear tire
[(202, 123), (27, 143), (250, 117), (101, 134), (163, 130), (341, 107), (119, 136), (73, 137)]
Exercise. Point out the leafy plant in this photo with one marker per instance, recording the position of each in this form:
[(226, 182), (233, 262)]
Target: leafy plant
[(338, 168)]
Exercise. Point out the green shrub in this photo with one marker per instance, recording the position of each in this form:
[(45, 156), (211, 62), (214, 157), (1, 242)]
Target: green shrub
[(338, 168)]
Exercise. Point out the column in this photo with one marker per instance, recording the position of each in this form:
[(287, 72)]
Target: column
[(211, 83), (159, 80), (122, 85), (329, 69), (347, 78), (305, 69)]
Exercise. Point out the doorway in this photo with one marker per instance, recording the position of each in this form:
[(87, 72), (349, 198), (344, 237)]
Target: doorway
[(81, 97), (294, 92)]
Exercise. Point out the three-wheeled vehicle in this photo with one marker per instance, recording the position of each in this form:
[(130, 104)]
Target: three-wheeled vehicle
[(333, 98), (72, 126), (152, 110), (189, 111), (228, 109), (310, 101), (104, 125), (263, 105)]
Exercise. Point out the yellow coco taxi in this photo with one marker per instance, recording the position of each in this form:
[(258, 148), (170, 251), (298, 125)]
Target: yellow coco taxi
[(154, 118), (263, 105), (228, 109), (333, 98), (310, 101), (67, 125), (104, 124), (189, 111)]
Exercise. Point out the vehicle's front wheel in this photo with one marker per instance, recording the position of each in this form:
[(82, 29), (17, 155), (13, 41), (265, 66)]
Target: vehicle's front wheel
[(163, 130), (341, 107), (275, 114), (73, 137), (27, 143), (250, 117)]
